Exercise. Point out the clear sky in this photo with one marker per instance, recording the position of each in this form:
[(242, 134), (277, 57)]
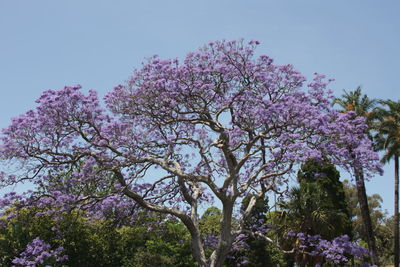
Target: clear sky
[(97, 43)]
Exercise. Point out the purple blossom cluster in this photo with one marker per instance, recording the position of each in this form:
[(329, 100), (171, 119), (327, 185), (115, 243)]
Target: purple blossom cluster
[(39, 253), (337, 251), (239, 245), (211, 241)]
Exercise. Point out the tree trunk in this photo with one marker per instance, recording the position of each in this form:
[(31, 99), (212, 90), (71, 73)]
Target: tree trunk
[(197, 250), (225, 242), (396, 211), (365, 215)]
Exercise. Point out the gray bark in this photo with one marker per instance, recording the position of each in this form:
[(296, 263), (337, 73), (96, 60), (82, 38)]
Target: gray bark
[(365, 215)]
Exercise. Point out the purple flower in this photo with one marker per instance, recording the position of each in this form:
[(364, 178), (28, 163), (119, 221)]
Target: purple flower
[(338, 250), (39, 252)]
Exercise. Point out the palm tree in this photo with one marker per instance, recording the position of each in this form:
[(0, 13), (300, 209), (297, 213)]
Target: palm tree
[(363, 106), (388, 139)]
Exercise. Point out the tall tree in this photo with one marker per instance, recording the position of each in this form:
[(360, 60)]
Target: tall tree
[(219, 126), (361, 105), (382, 225), (320, 181), (317, 207), (318, 204), (388, 140)]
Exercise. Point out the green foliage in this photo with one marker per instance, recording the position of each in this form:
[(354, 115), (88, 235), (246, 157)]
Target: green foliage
[(166, 245), (388, 140), (99, 243), (318, 205), (144, 258), (210, 222), (387, 125), (258, 251), (382, 225)]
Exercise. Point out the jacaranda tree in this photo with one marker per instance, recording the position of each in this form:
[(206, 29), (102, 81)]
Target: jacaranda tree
[(219, 126)]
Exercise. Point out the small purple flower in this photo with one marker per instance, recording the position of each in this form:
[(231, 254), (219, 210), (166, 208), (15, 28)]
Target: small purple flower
[(39, 252)]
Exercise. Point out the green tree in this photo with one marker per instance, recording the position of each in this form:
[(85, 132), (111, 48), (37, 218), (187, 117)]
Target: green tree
[(388, 140), (148, 241), (382, 225), (386, 235), (317, 207), (363, 106), (165, 243), (210, 221), (330, 201)]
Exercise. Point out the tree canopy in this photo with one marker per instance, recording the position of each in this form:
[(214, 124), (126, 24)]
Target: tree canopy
[(221, 125)]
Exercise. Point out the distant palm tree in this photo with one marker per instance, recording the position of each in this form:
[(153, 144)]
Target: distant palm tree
[(388, 140), (363, 106)]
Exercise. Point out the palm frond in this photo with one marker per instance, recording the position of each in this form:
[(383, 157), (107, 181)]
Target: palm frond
[(387, 126)]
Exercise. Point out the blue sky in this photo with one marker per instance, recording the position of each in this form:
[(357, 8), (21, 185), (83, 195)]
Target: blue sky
[(49, 44)]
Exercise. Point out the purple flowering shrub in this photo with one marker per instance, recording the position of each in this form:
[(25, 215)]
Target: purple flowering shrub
[(38, 253), (338, 251)]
